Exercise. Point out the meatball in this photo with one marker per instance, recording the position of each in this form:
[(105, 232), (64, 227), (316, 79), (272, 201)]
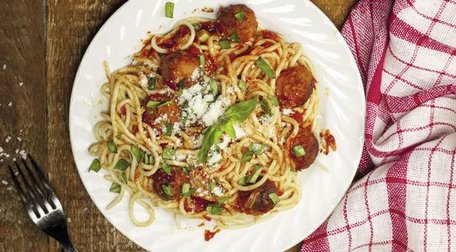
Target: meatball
[(170, 112), (178, 68), (294, 86), (174, 181), (238, 19), (257, 201), (309, 142)]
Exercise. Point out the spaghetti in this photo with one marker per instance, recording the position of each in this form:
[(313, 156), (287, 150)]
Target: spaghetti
[(212, 120)]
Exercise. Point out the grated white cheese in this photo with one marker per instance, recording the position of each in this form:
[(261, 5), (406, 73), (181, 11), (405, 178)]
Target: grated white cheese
[(217, 191), (240, 133), (215, 111), (143, 80), (214, 156), (287, 111), (264, 119)]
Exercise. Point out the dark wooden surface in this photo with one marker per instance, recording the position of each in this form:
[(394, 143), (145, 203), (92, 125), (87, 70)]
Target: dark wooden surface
[(41, 45)]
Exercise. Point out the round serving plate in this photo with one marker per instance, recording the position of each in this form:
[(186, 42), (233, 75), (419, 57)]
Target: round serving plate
[(323, 185)]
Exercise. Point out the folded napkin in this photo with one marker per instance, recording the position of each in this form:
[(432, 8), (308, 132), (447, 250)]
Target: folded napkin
[(404, 197)]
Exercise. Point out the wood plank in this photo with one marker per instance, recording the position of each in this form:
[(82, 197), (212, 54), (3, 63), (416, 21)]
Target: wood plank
[(22, 53), (71, 26)]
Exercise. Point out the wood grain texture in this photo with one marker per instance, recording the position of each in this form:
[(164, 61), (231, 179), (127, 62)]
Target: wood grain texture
[(43, 49)]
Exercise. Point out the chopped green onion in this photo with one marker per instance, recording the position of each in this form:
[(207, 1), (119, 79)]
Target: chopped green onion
[(168, 153), (235, 38), (255, 174), (265, 107), (212, 186), (137, 152), (247, 156), (115, 188), (225, 44), (186, 189), (169, 9), (123, 177), (243, 181), (168, 190), (275, 199), (122, 165), (152, 83), (202, 35), (202, 60), (240, 15), (119, 136), (265, 68), (95, 165), (153, 104), (148, 159), (298, 150), (274, 100), (166, 103), (257, 148), (112, 147), (222, 200), (166, 168), (213, 85), (214, 209), (197, 26), (168, 129), (242, 85)]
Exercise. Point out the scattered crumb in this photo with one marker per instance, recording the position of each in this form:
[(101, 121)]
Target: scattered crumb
[(19, 139), (208, 9), (69, 219), (10, 188), (21, 84), (10, 104), (7, 139), (85, 209), (23, 154), (4, 182), (4, 67), (14, 159)]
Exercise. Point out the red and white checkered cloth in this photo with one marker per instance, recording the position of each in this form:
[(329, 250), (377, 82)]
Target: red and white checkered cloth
[(405, 198)]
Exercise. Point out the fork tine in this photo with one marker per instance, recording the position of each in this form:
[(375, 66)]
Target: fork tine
[(27, 198), (42, 199), (29, 190), (52, 198)]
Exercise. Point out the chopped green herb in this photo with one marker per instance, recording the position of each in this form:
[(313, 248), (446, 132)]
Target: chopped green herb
[(115, 188), (197, 26), (168, 153), (122, 165), (265, 107), (247, 156), (123, 177), (119, 136), (112, 147), (166, 103), (240, 15), (242, 85), (235, 38), (212, 186), (275, 199), (148, 159), (169, 9), (255, 174), (257, 148), (202, 60), (202, 35), (298, 150), (168, 129), (274, 100), (153, 104), (214, 209), (243, 181), (168, 190), (152, 83), (213, 85), (222, 200), (186, 189), (166, 168), (137, 152), (225, 44), (95, 165), (265, 68)]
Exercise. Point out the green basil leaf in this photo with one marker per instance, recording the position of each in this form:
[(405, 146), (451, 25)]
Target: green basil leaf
[(274, 100), (265, 107), (265, 68), (211, 137), (241, 111), (229, 130)]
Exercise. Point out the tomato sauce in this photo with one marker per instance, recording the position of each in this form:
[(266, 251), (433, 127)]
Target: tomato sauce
[(197, 205), (271, 35), (209, 26), (208, 235), (173, 43), (329, 142)]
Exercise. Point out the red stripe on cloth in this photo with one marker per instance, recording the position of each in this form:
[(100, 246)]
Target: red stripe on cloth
[(449, 199), (356, 45), (366, 204), (317, 241)]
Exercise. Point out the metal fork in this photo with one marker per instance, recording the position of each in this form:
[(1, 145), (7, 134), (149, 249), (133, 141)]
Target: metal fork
[(40, 201)]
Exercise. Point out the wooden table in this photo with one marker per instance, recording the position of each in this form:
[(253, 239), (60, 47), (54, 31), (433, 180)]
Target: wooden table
[(41, 45)]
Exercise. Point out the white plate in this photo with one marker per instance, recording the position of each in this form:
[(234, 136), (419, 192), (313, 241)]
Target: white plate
[(342, 109)]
